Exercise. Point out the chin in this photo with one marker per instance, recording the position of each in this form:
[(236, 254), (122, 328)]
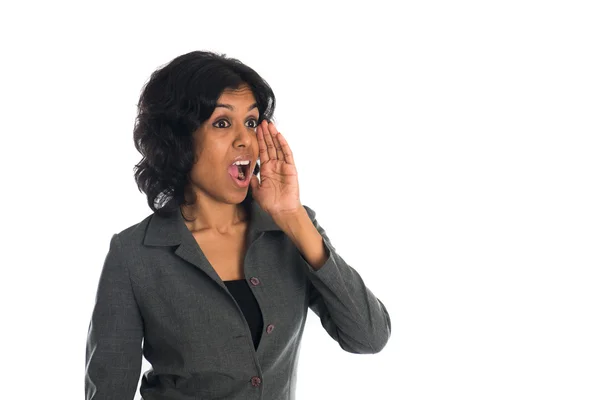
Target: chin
[(237, 199)]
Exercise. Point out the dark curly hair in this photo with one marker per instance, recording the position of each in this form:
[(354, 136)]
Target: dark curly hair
[(175, 101)]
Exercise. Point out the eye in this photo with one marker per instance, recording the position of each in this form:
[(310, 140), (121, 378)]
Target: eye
[(219, 125), (255, 125)]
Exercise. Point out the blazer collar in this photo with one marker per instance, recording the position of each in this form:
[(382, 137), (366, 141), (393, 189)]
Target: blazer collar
[(171, 230)]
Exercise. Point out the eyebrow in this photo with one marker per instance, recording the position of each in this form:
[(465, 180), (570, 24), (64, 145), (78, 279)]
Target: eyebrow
[(230, 107)]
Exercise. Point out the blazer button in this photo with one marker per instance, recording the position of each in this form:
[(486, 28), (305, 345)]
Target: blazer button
[(254, 281), (255, 381), (270, 328)]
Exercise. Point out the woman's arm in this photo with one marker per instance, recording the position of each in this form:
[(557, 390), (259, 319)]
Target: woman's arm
[(348, 310), (113, 351)]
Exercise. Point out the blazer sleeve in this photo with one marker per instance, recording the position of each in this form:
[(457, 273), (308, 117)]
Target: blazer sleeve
[(113, 350), (350, 313)]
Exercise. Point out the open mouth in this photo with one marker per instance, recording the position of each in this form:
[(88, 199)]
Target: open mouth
[(243, 172), (239, 172)]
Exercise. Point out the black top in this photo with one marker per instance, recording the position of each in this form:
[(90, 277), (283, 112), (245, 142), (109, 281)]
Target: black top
[(243, 295)]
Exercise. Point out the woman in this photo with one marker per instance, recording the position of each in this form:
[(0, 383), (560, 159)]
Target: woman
[(217, 281)]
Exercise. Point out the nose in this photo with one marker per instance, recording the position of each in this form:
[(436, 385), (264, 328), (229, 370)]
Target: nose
[(244, 137)]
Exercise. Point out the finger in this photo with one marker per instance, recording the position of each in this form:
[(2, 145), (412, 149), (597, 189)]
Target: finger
[(270, 145), (262, 145), (285, 148), (278, 150)]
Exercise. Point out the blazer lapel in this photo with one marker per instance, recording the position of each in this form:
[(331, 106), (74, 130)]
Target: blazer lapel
[(170, 230)]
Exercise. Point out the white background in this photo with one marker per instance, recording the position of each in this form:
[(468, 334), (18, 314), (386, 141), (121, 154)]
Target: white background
[(450, 149)]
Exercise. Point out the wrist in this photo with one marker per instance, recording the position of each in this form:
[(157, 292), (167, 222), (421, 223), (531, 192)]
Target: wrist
[(288, 219)]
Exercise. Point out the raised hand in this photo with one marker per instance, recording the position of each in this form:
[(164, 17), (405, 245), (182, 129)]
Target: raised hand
[(278, 192)]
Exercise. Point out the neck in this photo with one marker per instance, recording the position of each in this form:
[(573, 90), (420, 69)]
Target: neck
[(210, 214)]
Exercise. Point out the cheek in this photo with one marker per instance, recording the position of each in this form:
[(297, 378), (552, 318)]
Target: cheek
[(203, 169), (197, 174)]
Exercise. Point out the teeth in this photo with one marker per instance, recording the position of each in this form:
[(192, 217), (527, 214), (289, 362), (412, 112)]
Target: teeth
[(245, 162)]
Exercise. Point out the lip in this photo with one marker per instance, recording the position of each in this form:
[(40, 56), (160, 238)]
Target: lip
[(246, 182), (242, 157)]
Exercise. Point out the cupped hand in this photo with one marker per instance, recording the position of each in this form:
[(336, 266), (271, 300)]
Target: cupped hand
[(277, 192)]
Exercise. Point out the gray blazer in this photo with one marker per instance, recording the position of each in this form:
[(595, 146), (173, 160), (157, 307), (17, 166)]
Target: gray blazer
[(156, 285)]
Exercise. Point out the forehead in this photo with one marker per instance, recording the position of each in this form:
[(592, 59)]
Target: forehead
[(242, 96)]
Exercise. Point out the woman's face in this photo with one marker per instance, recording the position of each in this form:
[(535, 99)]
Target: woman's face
[(228, 133)]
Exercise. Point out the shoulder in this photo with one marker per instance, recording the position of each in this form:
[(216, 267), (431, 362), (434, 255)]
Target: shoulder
[(134, 234)]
